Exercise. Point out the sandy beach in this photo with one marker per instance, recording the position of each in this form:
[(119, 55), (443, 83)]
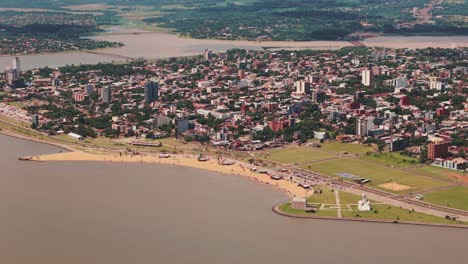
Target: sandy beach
[(238, 168)]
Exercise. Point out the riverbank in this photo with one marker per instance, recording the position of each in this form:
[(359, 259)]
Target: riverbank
[(237, 168)]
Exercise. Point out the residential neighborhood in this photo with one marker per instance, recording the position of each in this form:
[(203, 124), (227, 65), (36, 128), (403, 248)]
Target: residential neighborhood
[(410, 101)]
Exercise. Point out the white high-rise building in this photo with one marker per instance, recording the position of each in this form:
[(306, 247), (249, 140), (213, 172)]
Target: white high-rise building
[(363, 126), (401, 81), (302, 87), (367, 77), (17, 65)]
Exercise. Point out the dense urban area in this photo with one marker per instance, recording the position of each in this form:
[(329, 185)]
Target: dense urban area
[(402, 100)]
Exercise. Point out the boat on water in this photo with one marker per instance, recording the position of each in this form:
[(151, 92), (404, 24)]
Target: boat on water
[(25, 158)]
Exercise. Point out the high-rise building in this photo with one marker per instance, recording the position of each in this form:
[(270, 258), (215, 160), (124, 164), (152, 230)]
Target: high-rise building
[(208, 54), (318, 96), (151, 91), (89, 89), (182, 125), (302, 87), (367, 77), (401, 81), (437, 150), (35, 120), (17, 66), (56, 82), (106, 94), (10, 75), (364, 124)]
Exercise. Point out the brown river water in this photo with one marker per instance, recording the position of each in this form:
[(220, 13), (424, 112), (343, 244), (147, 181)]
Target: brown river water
[(151, 45), (99, 213)]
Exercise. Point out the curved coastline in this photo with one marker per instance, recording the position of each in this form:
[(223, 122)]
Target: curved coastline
[(276, 210)]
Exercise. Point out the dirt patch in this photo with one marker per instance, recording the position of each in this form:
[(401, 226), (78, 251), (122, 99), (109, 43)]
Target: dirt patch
[(394, 186), (461, 177)]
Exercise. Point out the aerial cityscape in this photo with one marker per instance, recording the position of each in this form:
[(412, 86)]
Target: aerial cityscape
[(161, 131)]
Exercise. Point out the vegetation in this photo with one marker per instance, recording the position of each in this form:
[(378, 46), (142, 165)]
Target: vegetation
[(391, 158), (33, 32), (297, 155), (378, 174), (273, 19), (387, 212), (379, 212), (455, 197)]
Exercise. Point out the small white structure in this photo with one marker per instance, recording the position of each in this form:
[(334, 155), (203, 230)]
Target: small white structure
[(299, 203), (75, 136), (364, 204)]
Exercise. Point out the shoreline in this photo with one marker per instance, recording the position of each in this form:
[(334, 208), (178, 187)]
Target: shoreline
[(277, 44), (238, 168), (276, 210)]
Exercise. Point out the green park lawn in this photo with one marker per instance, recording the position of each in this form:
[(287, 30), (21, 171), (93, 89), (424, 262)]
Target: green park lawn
[(391, 159), (386, 212), (376, 173), (288, 209), (338, 147), (456, 197), (328, 197), (441, 173), (296, 155), (379, 212)]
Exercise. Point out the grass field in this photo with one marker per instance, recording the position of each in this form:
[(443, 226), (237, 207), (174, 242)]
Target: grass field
[(377, 174), (338, 147), (441, 173), (328, 197), (379, 212), (296, 155), (456, 197), (391, 159), (288, 209), (386, 212)]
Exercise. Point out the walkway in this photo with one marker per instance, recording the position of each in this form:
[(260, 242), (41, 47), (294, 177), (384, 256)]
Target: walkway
[(337, 199)]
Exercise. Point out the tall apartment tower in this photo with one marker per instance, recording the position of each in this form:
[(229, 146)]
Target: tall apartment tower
[(106, 94), (17, 65), (437, 150), (367, 77), (363, 125), (151, 91), (208, 54), (302, 87)]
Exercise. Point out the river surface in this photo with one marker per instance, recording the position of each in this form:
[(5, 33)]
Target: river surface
[(155, 45), (107, 213)]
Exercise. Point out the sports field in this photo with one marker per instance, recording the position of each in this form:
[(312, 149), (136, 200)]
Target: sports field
[(296, 155), (456, 197), (380, 176)]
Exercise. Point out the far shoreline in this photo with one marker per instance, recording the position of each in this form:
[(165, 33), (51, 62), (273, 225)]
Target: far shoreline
[(276, 44)]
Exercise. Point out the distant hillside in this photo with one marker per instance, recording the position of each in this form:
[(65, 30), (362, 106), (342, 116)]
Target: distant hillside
[(276, 19)]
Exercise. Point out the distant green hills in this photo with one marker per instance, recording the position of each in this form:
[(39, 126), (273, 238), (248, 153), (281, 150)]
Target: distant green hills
[(284, 19)]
